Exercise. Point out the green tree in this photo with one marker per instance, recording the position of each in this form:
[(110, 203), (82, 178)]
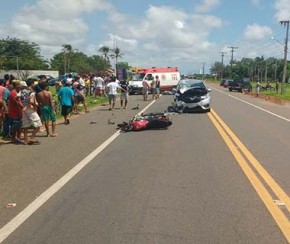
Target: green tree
[(67, 54), (16, 54), (98, 63), (105, 50), (78, 62)]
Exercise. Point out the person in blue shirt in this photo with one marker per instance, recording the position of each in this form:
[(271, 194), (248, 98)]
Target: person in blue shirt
[(66, 96)]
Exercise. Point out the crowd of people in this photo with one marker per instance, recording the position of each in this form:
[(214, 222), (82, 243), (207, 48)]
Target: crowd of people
[(26, 106), (153, 87), (29, 105)]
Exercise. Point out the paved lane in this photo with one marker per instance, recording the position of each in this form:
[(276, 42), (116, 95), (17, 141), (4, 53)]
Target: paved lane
[(180, 185)]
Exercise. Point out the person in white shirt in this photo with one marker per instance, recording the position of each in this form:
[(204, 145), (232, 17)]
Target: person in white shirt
[(99, 86), (112, 89)]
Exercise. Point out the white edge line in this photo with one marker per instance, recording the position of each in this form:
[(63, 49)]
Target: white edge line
[(39, 201), (267, 111), (13, 224), (144, 109)]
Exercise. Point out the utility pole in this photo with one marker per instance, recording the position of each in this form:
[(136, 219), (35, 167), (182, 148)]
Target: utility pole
[(232, 58), (275, 74), (285, 23), (266, 72), (222, 55), (203, 64)]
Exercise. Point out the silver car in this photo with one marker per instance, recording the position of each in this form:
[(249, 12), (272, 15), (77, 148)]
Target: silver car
[(191, 95)]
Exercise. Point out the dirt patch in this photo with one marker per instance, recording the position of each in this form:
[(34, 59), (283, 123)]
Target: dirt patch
[(271, 99)]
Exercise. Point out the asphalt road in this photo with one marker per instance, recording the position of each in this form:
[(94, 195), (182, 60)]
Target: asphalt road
[(181, 185)]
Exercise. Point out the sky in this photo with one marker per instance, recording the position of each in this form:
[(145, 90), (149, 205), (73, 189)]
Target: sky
[(189, 34)]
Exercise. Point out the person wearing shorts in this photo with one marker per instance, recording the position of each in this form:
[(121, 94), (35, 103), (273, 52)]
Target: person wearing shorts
[(30, 117), (66, 96), (15, 112), (124, 93), (153, 89), (49, 115), (145, 89), (79, 98), (45, 101), (157, 86), (112, 88)]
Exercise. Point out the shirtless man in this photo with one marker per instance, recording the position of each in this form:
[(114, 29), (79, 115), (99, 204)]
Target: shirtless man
[(44, 99)]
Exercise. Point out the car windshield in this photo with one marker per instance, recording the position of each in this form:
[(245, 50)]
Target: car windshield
[(189, 84), (138, 77)]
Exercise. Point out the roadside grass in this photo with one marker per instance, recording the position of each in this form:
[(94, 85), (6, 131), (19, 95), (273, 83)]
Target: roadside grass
[(91, 101), (286, 95)]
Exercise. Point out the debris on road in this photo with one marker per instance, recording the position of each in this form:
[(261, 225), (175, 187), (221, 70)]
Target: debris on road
[(137, 107), (110, 122), (10, 205)]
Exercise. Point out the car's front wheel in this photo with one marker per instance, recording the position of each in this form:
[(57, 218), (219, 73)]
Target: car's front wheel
[(179, 109)]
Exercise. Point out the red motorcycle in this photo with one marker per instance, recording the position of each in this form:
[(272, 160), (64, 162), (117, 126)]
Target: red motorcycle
[(146, 122)]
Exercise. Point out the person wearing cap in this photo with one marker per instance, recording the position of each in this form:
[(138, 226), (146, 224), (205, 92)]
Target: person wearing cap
[(30, 117), (15, 112)]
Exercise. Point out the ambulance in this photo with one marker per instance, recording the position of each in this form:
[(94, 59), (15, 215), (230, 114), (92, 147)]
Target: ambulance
[(169, 77)]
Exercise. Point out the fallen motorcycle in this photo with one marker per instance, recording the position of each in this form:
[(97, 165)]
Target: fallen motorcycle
[(146, 122)]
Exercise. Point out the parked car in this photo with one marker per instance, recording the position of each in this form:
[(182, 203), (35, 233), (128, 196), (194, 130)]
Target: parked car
[(53, 81), (222, 82), (191, 95), (225, 83), (36, 78), (240, 85)]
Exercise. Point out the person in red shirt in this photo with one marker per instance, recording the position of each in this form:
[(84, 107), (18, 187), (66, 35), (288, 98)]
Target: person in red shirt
[(15, 112), (7, 81)]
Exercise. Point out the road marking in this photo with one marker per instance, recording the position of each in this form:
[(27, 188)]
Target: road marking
[(261, 190), (255, 106), (13, 224), (262, 172)]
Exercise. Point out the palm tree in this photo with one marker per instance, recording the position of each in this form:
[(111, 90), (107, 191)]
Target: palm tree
[(67, 50), (116, 54), (105, 50)]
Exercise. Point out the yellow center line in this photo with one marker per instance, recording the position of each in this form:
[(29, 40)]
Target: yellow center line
[(281, 220), (262, 172)]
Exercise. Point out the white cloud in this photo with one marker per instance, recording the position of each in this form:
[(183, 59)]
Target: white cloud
[(257, 32), (162, 36), (53, 22), (256, 2), (207, 5), (165, 27), (282, 10)]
